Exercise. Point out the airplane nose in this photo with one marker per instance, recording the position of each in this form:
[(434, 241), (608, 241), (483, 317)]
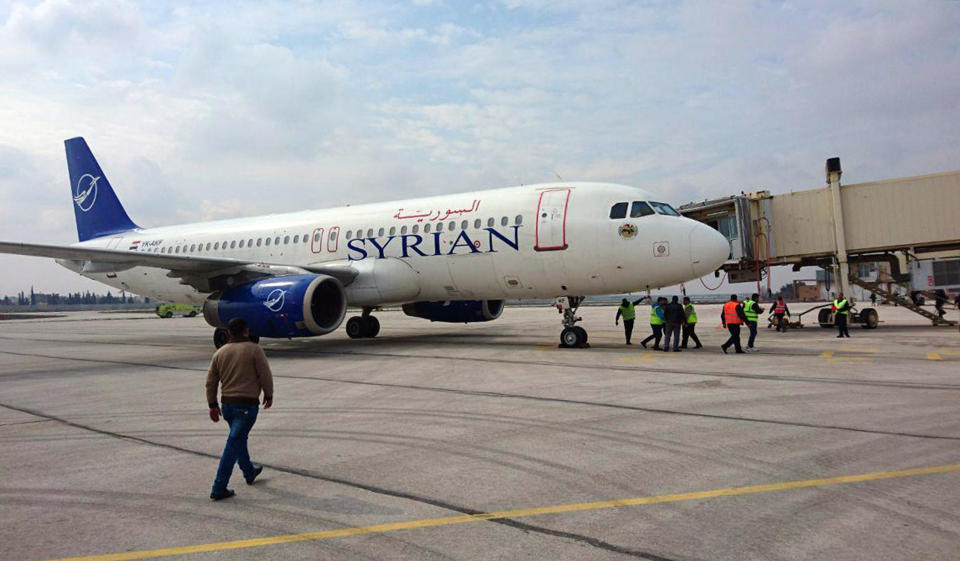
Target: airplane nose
[(709, 249)]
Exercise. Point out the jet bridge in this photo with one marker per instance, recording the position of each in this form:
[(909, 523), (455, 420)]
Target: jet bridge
[(911, 224)]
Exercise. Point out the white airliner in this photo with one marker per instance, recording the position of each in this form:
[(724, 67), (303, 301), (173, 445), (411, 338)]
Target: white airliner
[(452, 258)]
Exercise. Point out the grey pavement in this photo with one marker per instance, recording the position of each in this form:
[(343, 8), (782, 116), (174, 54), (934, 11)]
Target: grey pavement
[(105, 445)]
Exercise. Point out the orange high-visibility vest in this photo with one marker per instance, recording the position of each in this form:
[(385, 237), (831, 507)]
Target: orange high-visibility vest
[(780, 308), (730, 314)]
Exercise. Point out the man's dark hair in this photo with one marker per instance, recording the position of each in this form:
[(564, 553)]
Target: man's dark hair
[(674, 299), (733, 297), (754, 296), (625, 302), (686, 298), (236, 327)]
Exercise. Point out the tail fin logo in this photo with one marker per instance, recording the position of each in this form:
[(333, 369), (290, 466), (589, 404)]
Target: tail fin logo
[(275, 300), (85, 195)]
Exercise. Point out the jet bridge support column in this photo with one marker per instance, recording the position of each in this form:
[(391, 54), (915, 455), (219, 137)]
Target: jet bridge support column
[(833, 180)]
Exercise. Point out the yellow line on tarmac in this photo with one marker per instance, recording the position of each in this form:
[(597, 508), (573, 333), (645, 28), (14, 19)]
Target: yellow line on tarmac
[(827, 354), (517, 513), (934, 356)]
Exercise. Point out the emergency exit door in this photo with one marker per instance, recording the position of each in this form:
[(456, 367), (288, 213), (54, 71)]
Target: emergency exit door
[(552, 220)]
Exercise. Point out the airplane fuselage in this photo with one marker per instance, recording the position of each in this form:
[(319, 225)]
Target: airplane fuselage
[(536, 241)]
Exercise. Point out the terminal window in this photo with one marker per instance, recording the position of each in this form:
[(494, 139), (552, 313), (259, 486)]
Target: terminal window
[(946, 273)]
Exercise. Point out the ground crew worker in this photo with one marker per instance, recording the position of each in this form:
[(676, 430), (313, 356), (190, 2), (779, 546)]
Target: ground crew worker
[(675, 317), (656, 323), (689, 328), (241, 371), (841, 307), (781, 312), (752, 309), (940, 302), (732, 318), (629, 313)]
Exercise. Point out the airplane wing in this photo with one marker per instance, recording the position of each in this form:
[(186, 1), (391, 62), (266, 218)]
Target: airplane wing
[(203, 273)]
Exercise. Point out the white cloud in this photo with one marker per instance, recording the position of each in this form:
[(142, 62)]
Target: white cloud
[(220, 109)]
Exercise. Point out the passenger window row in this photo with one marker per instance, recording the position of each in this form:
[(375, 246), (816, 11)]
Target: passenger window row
[(305, 238), (437, 227), (232, 244), (640, 209)]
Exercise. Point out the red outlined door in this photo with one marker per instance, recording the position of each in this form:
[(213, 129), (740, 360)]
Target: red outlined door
[(316, 242), (552, 220), (334, 239)]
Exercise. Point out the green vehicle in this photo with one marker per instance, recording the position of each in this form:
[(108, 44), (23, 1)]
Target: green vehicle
[(185, 310)]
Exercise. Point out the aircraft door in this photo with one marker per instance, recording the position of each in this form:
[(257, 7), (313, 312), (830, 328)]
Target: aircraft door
[(334, 239), (316, 243), (552, 220)]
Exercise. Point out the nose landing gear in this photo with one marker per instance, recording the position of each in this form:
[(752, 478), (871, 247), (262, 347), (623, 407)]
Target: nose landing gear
[(573, 336)]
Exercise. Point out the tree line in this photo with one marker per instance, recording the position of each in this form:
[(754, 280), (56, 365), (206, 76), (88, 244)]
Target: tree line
[(73, 298)]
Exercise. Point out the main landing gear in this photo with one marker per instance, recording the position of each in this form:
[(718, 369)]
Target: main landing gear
[(221, 337), (363, 326), (573, 336)]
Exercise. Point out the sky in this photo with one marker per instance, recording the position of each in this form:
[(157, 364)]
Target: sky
[(200, 111)]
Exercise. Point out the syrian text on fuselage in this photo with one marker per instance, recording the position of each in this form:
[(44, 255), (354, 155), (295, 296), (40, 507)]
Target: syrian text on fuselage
[(430, 245)]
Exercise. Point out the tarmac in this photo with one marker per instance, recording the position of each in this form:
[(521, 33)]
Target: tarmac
[(485, 441)]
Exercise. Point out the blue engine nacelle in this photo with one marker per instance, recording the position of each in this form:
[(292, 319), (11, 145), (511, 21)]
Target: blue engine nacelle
[(456, 311), (281, 307)]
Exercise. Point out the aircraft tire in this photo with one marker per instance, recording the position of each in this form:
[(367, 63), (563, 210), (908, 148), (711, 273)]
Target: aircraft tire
[(220, 337), (583, 333), (371, 327), (356, 327), (825, 318), (167, 315), (571, 337)]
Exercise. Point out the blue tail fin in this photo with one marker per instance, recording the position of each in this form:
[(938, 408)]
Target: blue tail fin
[(97, 208)]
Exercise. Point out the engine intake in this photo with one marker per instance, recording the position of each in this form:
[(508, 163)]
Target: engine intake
[(456, 311), (281, 307)]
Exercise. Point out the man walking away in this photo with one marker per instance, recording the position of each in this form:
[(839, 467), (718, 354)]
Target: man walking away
[(732, 318), (841, 307), (690, 327), (629, 313), (241, 371), (675, 318), (780, 313), (752, 309), (656, 323)]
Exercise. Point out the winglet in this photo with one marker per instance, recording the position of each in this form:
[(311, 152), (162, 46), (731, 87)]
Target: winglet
[(97, 209)]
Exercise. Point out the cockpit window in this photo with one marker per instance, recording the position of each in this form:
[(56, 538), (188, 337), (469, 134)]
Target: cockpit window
[(639, 209), (618, 210), (664, 208)]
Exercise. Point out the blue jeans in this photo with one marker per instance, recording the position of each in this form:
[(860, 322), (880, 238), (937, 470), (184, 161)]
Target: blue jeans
[(752, 326), (672, 331), (241, 419)]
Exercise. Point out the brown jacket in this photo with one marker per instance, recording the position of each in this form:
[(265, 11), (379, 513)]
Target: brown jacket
[(241, 369)]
